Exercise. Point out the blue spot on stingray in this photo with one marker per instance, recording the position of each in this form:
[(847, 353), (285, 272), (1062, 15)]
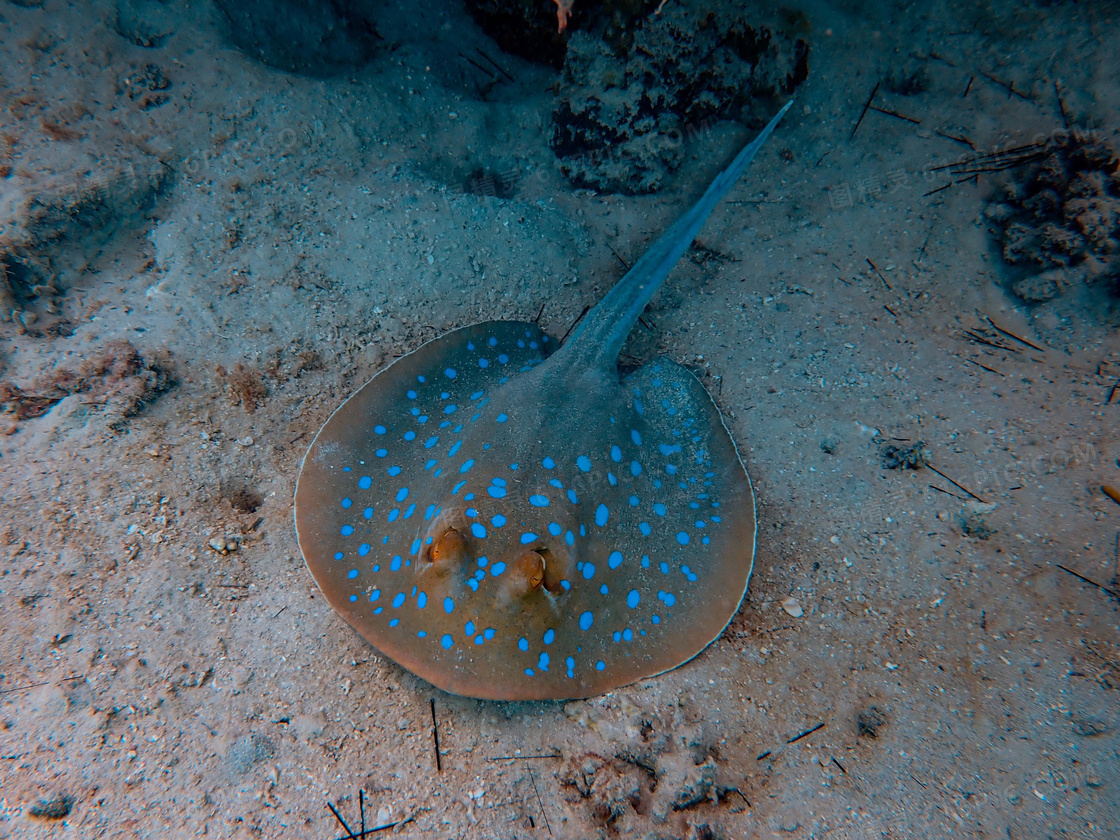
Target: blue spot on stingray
[(410, 510), (603, 589), (374, 595), (700, 523), (660, 509), (448, 606), (636, 437), (600, 665), (421, 379), (542, 663), (488, 633), (353, 573), (484, 363), (497, 568), (363, 549), (615, 560), (645, 561), (638, 407), (514, 466), (381, 453), (402, 494), (450, 373), (528, 538), (415, 548), (664, 567), (365, 482), (457, 487), (601, 515), (347, 530), (430, 442), (656, 619), (500, 482), (571, 663), (431, 462), (478, 530), (473, 584), (394, 514), (548, 463), (528, 672), (616, 454), (496, 492), (398, 601), (585, 620), (479, 639), (557, 483), (410, 435), (501, 418), (447, 641), (394, 470), (635, 468), (395, 564), (482, 561), (584, 463), (471, 512), (572, 497), (554, 529), (549, 636), (588, 570), (523, 643), (411, 395), (503, 358), (570, 538), (633, 501), (633, 599), (671, 469), (467, 464), (667, 450), (644, 528), (379, 430), (705, 540), (667, 597), (469, 628), (538, 500), (493, 342), (347, 502), (421, 600), (682, 538), (611, 479), (450, 409), (477, 395)]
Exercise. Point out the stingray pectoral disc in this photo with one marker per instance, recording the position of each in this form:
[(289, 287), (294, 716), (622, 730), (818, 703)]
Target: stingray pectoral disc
[(511, 529)]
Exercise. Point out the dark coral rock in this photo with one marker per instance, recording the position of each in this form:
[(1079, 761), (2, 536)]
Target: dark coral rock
[(629, 98), (312, 37), (525, 28), (1061, 219)]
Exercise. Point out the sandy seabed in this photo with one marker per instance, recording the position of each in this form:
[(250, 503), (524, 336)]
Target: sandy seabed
[(207, 254)]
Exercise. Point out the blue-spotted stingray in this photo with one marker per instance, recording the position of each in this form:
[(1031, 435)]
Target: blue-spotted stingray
[(512, 520)]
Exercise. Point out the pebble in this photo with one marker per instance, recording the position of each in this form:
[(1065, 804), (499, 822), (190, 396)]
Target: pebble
[(246, 441), (224, 545), (790, 605)]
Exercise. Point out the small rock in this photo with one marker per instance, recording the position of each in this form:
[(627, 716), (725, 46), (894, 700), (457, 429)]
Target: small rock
[(1039, 288), (869, 721), (904, 457), (55, 808), (791, 606), (973, 520)]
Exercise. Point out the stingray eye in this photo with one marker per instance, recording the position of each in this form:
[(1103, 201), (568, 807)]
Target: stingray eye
[(528, 574), (449, 550)]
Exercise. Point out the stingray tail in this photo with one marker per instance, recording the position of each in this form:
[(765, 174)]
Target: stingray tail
[(603, 332)]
